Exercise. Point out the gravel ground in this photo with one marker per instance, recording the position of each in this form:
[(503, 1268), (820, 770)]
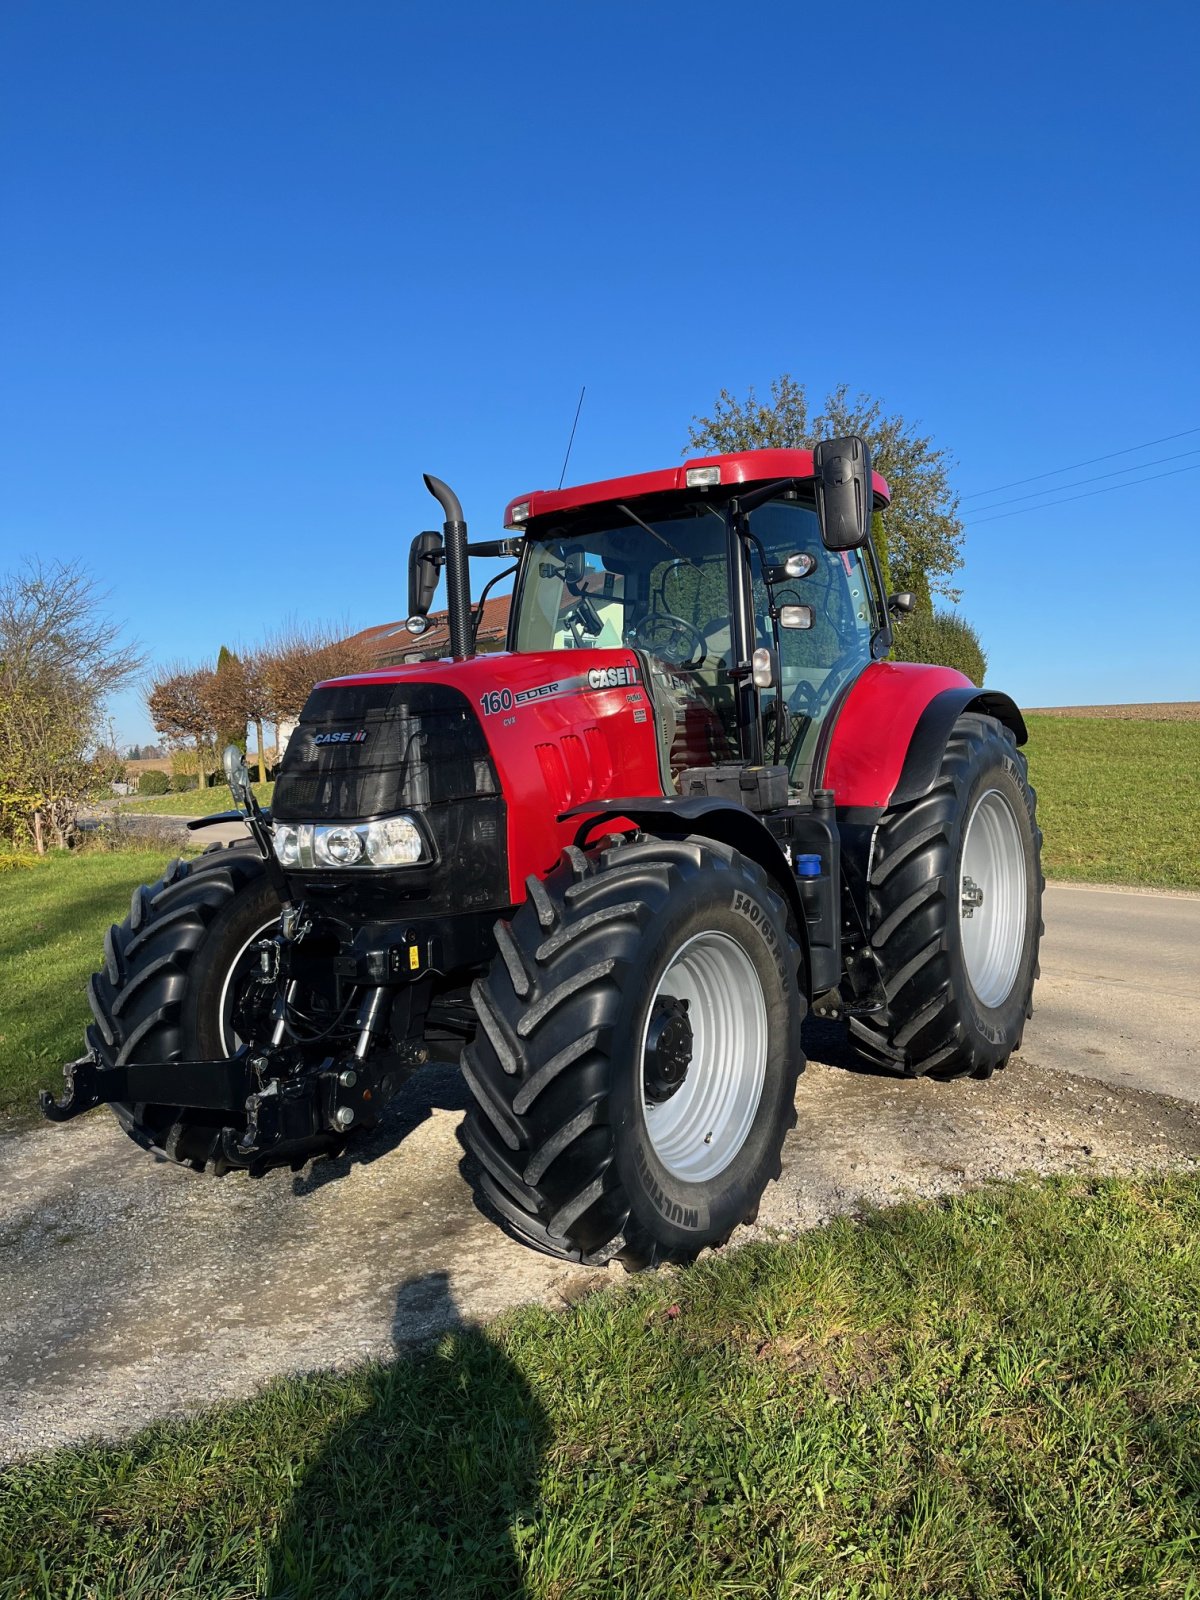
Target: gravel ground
[(130, 1289)]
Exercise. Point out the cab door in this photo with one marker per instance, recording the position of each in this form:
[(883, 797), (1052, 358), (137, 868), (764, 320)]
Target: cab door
[(819, 663)]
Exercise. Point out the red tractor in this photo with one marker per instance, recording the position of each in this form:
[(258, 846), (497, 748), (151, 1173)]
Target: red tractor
[(609, 869)]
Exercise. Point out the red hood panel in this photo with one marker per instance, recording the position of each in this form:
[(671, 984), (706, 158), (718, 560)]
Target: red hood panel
[(564, 727)]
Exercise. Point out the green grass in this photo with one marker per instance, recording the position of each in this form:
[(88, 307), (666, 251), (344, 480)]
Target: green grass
[(999, 1396), (191, 803), (53, 918), (1119, 802)]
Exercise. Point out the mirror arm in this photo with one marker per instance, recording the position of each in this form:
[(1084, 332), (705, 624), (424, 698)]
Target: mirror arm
[(746, 503), (237, 775), (495, 547)]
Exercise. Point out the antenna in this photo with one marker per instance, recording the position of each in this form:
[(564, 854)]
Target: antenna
[(571, 440)]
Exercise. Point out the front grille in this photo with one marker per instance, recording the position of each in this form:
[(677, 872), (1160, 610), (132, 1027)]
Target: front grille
[(367, 750)]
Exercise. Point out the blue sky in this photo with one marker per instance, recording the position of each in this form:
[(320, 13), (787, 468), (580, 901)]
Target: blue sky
[(262, 264)]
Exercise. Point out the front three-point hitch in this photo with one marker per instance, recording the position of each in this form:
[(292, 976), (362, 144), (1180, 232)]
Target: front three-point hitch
[(275, 1104)]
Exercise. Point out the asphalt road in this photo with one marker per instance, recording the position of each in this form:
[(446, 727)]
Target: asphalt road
[(1119, 995), (131, 1289)]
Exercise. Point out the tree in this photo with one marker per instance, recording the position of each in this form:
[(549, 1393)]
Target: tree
[(299, 655), (60, 660), (920, 540), (940, 639), (229, 699), (179, 699), (258, 704)]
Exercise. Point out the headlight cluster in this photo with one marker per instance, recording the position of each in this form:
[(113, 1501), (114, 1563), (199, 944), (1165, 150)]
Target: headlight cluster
[(389, 842)]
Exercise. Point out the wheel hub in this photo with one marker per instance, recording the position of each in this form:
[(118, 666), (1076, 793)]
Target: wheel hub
[(668, 1052), (972, 897)]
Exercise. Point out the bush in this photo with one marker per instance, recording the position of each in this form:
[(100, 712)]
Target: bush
[(940, 639), (11, 862), (153, 783), (181, 782), (185, 761)]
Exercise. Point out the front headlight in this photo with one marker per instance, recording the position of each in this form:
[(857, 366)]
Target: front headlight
[(388, 842), (287, 843), (394, 842)]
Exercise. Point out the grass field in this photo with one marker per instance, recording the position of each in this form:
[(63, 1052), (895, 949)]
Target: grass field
[(995, 1397), (53, 918), (1118, 800), (191, 803)]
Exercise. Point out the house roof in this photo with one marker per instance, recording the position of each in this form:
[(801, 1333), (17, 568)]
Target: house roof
[(390, 643)]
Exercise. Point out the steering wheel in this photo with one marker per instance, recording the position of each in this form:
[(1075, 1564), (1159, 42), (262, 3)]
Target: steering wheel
[(674, 639), (805, 698), (810, 700)]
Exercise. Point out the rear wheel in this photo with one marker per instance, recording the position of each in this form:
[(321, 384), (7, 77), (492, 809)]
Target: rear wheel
[(637, 1052), (955, 912)]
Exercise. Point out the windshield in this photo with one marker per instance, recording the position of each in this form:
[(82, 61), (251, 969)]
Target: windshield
[(663, 588), (600, 580)]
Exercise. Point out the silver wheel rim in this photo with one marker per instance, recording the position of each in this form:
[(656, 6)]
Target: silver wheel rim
[(992, 899), (224, 1020), (701, 1128)]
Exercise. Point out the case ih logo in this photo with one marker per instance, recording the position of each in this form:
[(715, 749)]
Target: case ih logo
[(357, 737), (612, 677)]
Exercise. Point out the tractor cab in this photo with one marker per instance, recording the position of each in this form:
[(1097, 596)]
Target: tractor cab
[(715, 599)]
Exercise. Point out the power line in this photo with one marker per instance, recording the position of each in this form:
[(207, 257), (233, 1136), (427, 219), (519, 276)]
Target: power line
[(1091, 462), (1112, 488), (1036, 494)]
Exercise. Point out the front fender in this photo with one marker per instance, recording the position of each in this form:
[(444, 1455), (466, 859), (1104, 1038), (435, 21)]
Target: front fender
[(886, 746), (722, 820)]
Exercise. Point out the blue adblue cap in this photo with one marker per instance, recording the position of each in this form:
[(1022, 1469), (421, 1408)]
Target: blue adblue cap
[(808, 866)]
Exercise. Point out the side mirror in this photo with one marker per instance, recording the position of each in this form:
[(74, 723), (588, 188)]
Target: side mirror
[(903, 602), (425, 560), (845, 498), (237, 774)]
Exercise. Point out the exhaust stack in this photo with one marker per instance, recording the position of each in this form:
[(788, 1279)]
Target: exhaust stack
[(458, 575)]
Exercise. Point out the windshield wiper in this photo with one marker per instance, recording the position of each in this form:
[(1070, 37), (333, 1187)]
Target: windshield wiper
[(653, 532)]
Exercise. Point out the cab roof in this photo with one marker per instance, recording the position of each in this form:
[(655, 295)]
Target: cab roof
[(746, 467)]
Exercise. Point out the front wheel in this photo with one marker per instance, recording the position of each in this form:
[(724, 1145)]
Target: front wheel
[(955, 895), (178, 984), (637, 1052)]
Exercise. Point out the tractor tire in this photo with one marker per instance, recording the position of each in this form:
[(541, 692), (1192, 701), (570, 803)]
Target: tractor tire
[(164, 992), (954, 897), (638, 1044)]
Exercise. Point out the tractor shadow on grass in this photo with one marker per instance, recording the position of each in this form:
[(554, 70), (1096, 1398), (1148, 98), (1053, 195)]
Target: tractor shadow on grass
[(426, 1486)]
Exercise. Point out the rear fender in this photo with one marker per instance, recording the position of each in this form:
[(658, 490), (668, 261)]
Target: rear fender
[(886, 747)]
